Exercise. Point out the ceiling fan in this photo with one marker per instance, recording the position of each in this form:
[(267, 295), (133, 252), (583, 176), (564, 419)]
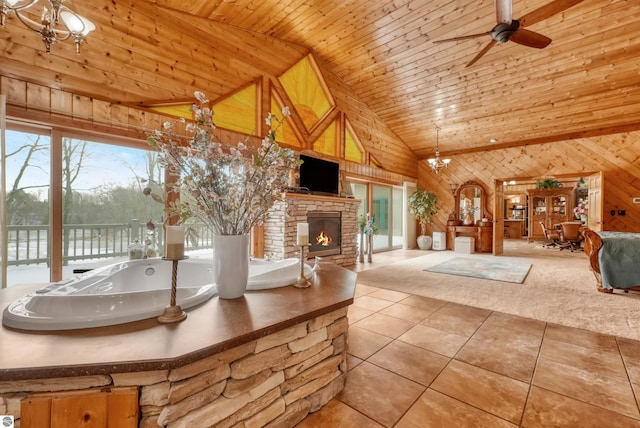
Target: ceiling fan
[(509, 29)]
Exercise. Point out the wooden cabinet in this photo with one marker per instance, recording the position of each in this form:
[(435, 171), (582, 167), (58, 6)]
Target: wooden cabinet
[(549, 207), (483, 235), (100, 407)]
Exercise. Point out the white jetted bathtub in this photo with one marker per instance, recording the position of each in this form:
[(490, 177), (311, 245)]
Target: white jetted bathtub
[(131, 291)]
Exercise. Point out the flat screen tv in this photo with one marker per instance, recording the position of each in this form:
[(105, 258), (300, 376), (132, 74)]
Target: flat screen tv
[(320, 176)]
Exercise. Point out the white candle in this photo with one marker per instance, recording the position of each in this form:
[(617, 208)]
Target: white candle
[(174, 243), (303, 234)]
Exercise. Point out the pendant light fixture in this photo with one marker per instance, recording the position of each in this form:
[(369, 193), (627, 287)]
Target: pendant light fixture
[(57, 22), (436, 163)]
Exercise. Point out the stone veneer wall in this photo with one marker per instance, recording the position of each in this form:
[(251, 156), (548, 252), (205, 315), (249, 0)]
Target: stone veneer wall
[(274, 381), (280, 229)]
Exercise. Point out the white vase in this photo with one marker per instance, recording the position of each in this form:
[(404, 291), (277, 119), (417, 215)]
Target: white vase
[(231, 265), (424, 242), (468, 220)]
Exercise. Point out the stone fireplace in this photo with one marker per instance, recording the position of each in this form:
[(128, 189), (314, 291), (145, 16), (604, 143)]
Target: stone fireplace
[(337, 217)]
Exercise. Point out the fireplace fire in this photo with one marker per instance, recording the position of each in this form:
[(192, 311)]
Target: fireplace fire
[(323, 239), (324, 230)]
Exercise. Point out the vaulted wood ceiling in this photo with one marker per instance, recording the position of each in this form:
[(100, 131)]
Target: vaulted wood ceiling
[(586, 82)]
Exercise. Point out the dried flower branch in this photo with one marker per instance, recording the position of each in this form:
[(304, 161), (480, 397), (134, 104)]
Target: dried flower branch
[(229, 188)]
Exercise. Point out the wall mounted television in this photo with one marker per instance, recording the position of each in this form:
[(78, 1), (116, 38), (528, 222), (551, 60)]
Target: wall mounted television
[(321, 177)]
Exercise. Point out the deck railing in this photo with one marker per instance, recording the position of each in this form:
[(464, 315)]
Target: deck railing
[(30, 244)]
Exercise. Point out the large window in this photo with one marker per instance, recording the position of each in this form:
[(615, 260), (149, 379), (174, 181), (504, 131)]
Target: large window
[(27, 167), (104, 209), (74, 204)]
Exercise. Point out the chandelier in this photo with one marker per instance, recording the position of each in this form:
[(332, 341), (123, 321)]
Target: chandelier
[(436, 163), (57, 22)]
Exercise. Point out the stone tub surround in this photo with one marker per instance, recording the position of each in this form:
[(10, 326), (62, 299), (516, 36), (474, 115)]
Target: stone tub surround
[(280, 227), (283, 357)]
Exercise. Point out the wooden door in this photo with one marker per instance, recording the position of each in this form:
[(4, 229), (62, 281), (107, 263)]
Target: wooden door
[(498, 217), (595, 214)]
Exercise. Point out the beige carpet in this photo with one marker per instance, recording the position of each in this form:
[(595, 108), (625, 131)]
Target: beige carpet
[(559, 288)]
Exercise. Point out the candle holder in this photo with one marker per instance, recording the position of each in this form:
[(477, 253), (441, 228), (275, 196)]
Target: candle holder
[(302, 281), (173, 312)]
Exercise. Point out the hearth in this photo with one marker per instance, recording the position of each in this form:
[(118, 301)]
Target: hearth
[(324, 233)]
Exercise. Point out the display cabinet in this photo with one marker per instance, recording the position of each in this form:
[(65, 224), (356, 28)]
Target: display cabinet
[(549, 207)]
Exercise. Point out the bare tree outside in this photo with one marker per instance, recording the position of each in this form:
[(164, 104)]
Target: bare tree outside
[(23, 207), (73, 155)]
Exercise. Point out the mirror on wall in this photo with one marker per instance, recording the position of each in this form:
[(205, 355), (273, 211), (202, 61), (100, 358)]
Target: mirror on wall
[(470, 204)]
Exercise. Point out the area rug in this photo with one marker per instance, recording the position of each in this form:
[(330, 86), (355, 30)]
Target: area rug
[(506, 269)]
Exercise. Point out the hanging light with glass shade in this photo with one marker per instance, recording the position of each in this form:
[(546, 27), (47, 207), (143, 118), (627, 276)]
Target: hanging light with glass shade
[(57, 22), (436, 163)]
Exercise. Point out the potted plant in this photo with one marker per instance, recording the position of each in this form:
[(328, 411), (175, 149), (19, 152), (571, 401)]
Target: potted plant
[(422, 204)]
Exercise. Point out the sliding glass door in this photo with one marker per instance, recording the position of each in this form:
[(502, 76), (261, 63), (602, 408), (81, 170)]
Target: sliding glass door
[(381, 214), (383, 204), (396, 217)]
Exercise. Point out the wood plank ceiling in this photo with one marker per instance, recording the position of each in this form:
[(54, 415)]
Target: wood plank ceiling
[(586, 82)]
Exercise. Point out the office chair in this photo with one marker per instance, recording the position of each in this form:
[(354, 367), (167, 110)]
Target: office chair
[(552, 236), (571, 236)]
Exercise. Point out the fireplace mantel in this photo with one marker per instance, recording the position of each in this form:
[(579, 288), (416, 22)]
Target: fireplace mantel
[(280, 227)]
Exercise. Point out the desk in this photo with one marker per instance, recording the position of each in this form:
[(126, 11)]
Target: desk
[(483, 236)]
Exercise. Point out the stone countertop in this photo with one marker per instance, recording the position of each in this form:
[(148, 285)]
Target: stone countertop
[(210, 328)]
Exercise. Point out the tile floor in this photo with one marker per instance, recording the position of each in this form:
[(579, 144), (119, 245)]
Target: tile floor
[(420, 362)]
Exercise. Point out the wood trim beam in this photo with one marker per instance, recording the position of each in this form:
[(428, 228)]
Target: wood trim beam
[(616, 129)]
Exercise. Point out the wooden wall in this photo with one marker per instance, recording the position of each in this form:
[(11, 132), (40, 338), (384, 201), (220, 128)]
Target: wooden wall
[(378, 139), (617, 155)]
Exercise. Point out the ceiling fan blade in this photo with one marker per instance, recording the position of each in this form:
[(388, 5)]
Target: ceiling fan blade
[(481, 53), (547, 11), (470, 36), (503, 11), (530, 38)]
